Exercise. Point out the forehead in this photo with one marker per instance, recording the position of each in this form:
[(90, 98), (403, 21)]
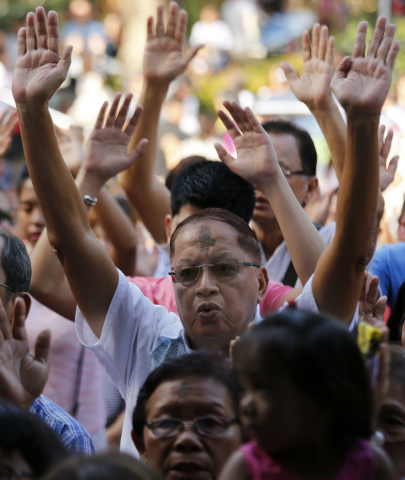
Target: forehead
[(203, 395), (27, 193), (208, 238), (286, 148)]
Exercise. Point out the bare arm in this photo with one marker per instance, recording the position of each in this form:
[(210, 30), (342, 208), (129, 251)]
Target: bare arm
[(361, 85), (163, 62), (39, 71), (257, 162), (235, 468)]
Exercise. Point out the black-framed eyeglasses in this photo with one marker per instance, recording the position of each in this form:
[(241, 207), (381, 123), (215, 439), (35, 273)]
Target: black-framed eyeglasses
[(9, 473), (187, 274), (9, 288), (209, 426)]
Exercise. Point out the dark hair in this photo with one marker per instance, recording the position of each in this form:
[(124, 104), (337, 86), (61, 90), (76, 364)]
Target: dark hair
[(24, 174), (16, 263), (192, 365), (31, 437), (397, 317), (104, 466), (210, 184), (246, 236), (173, 174), (305, 144), (397, 363), (325, 363)]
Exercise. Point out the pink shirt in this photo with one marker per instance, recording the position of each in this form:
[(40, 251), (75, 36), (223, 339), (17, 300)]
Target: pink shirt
[(358, 464), (64, 358), (160, 291)]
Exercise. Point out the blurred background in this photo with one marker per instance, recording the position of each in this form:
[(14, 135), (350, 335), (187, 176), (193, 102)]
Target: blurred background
[(245, 42)]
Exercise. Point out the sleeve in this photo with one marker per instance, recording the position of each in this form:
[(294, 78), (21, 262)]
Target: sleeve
[(130, 332), (380, 269), (81, 445), (274, 297)]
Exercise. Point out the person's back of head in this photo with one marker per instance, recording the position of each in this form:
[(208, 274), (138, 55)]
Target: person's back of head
[(210, 184), (305, 144), (105, 466), (324, 362), (25, 435)]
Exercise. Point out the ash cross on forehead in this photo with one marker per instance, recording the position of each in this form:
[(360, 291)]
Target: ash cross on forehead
[(204, 239), (185, 389)]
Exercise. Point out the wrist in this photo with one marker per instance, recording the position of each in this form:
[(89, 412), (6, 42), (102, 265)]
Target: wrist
[(323, 108), (367, 119), (30, 106), (89, 183), (270, 181), (157, 87)]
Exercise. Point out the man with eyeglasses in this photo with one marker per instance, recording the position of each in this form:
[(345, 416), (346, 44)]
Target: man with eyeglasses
[(186, 420)]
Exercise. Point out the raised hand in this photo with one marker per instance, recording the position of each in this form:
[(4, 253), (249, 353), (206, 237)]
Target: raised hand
[(313, 87), (256, 159), (372, 310), (107, 147), (40, 68), (387, 174), (6, 131), (22, 375), (164, 59), (361, 83)]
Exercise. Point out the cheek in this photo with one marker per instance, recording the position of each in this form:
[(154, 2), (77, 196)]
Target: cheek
[(157, 450), (221, 449)]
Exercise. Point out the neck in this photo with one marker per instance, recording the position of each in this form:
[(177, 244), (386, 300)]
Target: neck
[(313, 462), (208, 344), (269, 235)]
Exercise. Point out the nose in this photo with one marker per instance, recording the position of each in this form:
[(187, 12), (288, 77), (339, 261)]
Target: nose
[(38, 218), (188, 440), (247, 404), (206, 283)]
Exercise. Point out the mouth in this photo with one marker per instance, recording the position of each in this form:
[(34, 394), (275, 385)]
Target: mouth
[(261, 202), (35, 235), (208, 310)]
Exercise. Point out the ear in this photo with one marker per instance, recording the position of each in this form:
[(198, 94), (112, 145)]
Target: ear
[(140, 446), (27, 300), (263, 279), (312, 188), (168, 221)]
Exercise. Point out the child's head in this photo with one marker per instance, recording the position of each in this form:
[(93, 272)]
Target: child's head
[(305, 382)]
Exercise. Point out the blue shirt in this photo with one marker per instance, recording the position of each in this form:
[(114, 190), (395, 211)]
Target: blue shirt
[(389, 267), (72, 434)]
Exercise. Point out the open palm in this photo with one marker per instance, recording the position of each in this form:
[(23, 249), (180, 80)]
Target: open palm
[(22, 376), (256, 159), (107, 148), (40, 68), (313, 87), (164, 59), (363, 82)]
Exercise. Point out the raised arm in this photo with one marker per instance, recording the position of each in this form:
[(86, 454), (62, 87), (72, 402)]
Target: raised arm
[(163, 62), (39, 71), (257, 162), (361, 85)]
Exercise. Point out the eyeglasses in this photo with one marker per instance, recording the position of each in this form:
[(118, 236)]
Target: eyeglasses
[(187, 274), (8, 473), (205, 426), (9, 288)]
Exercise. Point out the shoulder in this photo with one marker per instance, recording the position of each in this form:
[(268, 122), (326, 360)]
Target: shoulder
[(235, 468), (73, 435), (383, 464)]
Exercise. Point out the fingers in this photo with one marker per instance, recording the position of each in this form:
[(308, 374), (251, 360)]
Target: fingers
[(132, 124), (19, 317), (289, 72), (254, 122), (378, 35), (359, 48), (239, 115), (100, 117), (110, 121), (392, 167), (392, 54), (181, 28), (315, 39), (386, 43), (379, 308), (343, 68), (229, 125), (160, 27), (330, 52), (138, 151), (385, 146), (306, 47), (31, 32), (42, 40), (53, 32), (22, 42), (43, 346), (323, 44), (65, 61), (149, 29), (381, 132), (372, 292), (171, 24), (223, 154), (123, 111)]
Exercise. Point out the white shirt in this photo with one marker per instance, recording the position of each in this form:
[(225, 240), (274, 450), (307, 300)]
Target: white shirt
[(137, 336)]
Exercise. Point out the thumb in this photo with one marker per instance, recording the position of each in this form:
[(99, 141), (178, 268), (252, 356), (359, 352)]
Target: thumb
[(66, 59), (224, 155), (289, 72), (137, 152), (343, 68), (379, 308), (43, 346), (392, 168), (191, 53)]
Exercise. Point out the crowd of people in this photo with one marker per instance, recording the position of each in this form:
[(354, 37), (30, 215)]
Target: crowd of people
[(258, 344)]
